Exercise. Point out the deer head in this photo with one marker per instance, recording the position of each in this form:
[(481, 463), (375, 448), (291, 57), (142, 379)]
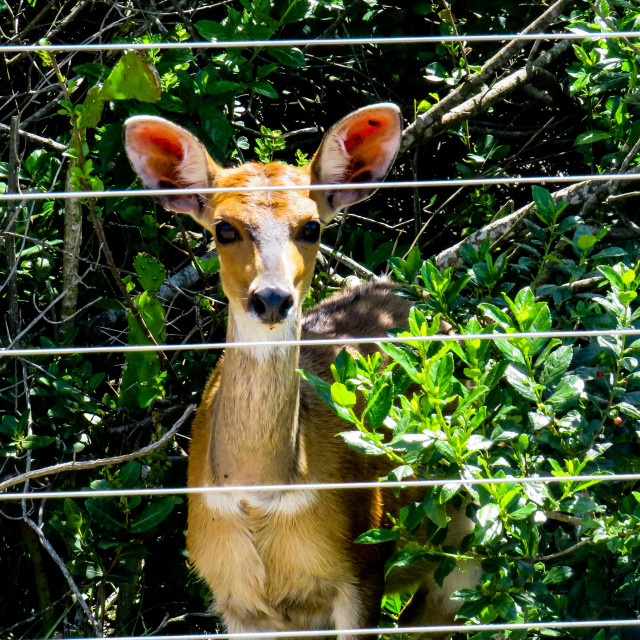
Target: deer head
[(267, 240)]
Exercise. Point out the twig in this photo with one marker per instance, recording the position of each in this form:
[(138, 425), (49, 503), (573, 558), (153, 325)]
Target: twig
[(70, 581), (563, 517), (101, 462), (32, 136), (9, 242), (564, 552), (510, 225), (72, 242), (352, 264), (419, 130), (287, 134), (97, 223), (484, 101), (43, 312), (622, 196)]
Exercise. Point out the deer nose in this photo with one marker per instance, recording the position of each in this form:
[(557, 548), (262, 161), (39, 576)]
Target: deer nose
[(270, 304)]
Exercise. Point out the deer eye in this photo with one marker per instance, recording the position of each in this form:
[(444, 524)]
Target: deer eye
[(225, 233), (310, 232)]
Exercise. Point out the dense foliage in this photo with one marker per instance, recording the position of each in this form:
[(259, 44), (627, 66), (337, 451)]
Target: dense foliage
[(84, 272)]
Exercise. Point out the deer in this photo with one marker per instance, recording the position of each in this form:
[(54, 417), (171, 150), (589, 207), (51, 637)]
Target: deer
[(287, 561)]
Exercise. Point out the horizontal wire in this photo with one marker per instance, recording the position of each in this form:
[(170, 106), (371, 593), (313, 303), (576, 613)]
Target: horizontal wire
[(445, 629), (320, 42), (314, 486), (407, 184), (457, 337)]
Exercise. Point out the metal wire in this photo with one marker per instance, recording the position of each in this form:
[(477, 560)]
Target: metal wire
[(529, 335), (320, 42), (407, 184), (318, 486), (460, 628)]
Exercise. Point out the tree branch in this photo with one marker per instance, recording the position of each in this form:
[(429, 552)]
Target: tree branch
[(420, 130), (101, 462)]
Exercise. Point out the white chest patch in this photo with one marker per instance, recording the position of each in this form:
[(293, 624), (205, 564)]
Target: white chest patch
[(288, 502)]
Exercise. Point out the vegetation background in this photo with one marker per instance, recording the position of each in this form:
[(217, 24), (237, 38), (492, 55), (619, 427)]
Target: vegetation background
[(84, 272)]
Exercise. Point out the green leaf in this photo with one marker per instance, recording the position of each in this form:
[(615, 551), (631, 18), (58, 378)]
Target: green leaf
[(213, 31), (342, 396), (36, 442), (92, 108), (152, 515), (264, 88), (544, 203), (375, 536), (436, 512), (589, 137), (132, 79), (556, 365), (558, 574), (379, 404), (150, 272), (223, 87), (446, 566), (523, 512), (323, 389), (406, 359), (105, 512), (567, 393), (521, 382), (356, 441), (629, 410), (406, 558), (288, 56), (129, 474), (586, 241)]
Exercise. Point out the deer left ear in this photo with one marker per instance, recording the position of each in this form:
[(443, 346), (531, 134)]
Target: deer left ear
[(166, 156), (359, 148)]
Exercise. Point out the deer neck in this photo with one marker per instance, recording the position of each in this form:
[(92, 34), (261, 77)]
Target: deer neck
[(255, 435)]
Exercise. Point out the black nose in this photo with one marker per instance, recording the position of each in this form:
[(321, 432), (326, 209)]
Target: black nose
[(270, 304)]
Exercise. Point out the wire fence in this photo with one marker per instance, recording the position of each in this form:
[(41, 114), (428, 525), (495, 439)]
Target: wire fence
[(320, 42), (57, 351), (409, 184)]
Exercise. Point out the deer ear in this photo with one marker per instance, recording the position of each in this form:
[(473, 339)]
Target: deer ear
[(359, 148), (166, 156)]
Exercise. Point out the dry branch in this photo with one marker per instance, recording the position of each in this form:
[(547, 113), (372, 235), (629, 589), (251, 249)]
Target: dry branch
[(507, 227), (9, 242), (67, 574), (484, 101), (101, 462), (72, 243), (420, 130)]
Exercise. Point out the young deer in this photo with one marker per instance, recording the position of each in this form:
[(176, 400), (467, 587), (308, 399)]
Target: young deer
[(285, 561)]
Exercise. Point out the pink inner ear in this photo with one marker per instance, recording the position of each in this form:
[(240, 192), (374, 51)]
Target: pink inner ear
[(168, 146), (361, 132)]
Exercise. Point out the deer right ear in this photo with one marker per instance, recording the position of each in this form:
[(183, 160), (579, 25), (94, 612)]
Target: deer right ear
[(359, 148), (166, 156)]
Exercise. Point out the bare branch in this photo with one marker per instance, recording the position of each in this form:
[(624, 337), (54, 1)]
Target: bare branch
[(68, 577), (101, 462), (420, 130), (507, 227)]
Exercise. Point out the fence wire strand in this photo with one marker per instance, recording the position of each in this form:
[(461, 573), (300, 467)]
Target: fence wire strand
[(320, 42), (319, 486), (319, 342), (406, 184), (460, 628)]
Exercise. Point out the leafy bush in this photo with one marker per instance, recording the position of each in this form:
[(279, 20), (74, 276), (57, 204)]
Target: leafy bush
[(505, 408)]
